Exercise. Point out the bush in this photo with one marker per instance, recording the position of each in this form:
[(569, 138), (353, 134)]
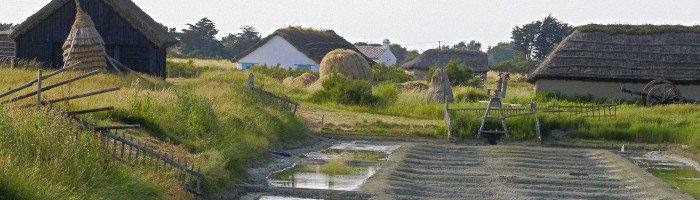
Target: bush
[(517, 65), (181, 70), (342, 90), (469, 94), (386, 93), (458, 73), (279, 73), (393, 74)]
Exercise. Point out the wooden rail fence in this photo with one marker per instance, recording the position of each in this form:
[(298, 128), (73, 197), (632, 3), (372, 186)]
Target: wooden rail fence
[(133, 153), (122, 148), (279, 102)]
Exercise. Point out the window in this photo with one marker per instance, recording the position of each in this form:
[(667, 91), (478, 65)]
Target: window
[(304, 67), (247, 66)]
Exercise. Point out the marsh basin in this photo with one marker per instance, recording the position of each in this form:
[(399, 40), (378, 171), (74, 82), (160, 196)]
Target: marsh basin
[(671, 171), (344, 166)]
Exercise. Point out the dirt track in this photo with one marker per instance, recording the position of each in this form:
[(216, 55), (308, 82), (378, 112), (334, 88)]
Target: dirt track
[(434, 170)]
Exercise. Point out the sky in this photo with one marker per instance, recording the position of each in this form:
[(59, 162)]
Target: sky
[(415, 24)]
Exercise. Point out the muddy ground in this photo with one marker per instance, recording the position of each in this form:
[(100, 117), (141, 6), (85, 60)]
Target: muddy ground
[(434, 169)]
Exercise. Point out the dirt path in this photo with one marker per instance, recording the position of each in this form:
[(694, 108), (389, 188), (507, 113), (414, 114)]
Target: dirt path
[(433, 169)]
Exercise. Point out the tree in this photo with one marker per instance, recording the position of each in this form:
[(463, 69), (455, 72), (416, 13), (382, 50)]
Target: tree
[(235, 44), (524, 38), (398, 51), (472, 46), (4, 26), (519, 64), (200, 40), (551, 33), (460, 45), (501, 52), (410, 55), (460, 74), (535, 40)]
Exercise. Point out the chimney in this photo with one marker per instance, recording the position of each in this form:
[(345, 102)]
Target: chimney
[(386, 44)]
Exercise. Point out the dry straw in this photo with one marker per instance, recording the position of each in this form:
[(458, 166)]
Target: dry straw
[(346, 62), (84, 44)]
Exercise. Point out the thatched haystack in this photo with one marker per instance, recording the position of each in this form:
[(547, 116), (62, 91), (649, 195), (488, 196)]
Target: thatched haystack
[(349, 63), (304, 80), (84, 44), (440, 88), (414, 86), (477, 61), (599, 59)]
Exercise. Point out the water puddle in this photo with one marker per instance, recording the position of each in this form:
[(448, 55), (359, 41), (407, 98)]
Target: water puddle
[(670, 170), (282, 198), (343, 166)]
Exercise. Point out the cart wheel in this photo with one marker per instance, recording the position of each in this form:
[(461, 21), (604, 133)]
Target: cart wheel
[(655, 82), (662, 94)]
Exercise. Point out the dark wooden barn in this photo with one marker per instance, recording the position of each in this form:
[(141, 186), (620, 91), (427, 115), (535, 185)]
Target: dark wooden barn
[(131, 36)]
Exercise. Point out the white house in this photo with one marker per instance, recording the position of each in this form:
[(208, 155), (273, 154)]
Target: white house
[(293, 48), (379, 54)]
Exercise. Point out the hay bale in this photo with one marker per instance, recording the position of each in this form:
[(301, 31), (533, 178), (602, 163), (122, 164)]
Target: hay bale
[(346, 62), (84, 44), (414, 86), (304, 80), (440, 88)]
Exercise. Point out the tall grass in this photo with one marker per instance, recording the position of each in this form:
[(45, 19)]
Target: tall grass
[(44, 156)]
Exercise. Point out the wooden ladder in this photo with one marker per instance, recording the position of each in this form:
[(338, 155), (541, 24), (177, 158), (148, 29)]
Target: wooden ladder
[(493, 135)]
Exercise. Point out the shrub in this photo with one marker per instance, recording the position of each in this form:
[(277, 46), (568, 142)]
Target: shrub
[(469, 94), (181, 70), (393, 74), (342, 90), (278, 72), (458, 73), (386, 93)]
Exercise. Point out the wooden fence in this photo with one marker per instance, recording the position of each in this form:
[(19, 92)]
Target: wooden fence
[(126, 150), (279, 102), (596, 111), (134, 153)]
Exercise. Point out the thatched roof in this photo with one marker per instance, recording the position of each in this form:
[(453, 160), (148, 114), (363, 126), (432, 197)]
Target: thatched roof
[(478, 61), (313, 43), (136, 17), (592, 54)]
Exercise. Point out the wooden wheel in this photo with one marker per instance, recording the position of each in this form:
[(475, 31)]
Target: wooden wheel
[(662, 94), (652, 84)]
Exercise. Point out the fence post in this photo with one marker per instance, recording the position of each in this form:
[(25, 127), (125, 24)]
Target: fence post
[(250, 81), (136, 158), (165, 162), (38, 91), (199, 179), (184, 174)]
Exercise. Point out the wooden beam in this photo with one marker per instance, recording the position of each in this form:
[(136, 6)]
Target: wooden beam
[(80, 112), (73, 97), (52, 86), (30, 83)]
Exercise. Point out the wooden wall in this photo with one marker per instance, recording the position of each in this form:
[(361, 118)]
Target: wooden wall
[(123, 42)]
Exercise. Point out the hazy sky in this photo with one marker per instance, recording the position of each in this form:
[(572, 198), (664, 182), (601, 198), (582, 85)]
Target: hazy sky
[(405, 22)]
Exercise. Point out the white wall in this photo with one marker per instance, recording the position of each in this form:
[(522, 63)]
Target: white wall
[(278, 51), (387, 58), (610, 90)]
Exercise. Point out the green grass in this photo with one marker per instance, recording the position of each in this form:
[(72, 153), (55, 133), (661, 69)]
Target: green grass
[(212, 120)]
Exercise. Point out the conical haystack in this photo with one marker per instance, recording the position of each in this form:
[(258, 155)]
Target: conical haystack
[(440, 89), (303, 80), (84, 44), (346, 62)]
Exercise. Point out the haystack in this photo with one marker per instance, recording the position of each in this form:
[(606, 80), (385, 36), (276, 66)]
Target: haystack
[(440, 89), (84, 44), (346, 62), (303, 80)]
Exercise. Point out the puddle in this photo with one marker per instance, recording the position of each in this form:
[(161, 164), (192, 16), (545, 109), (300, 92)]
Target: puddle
[(343, 166), (670, 170), (282, 198)]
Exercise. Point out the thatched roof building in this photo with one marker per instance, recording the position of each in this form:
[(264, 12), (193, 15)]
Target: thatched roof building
[(294, 47), (598, 59), (7, 46), (476, 60), (131, 36)]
